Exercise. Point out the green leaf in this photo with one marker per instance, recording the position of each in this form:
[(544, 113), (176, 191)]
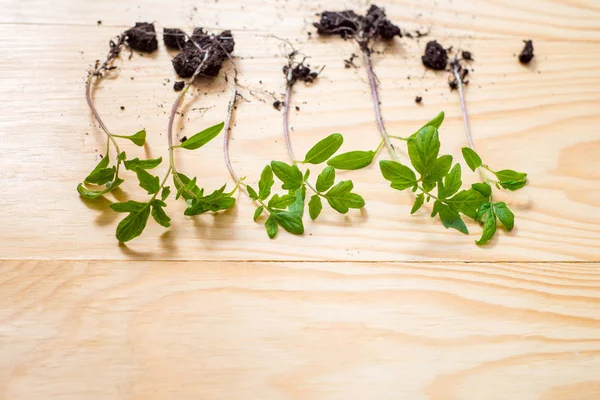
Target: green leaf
[(165, 193), (450, 218), (436, 122), (315, 206), (341, 199), (138, 138), (306, 175), (266, 183), (297, 207), (513, 185), (216, 201), (201, 138), (440, 169), (128, 206), (506, 217), (133, 225), (122, 156), (186, 187), (159, 214), (467, 202), (401, 176), (324, 149), (258, 212), (289, 221), (290, 175), (281, 202), (452, 183), (419, 199), (326, 179), (148, 182), (136, 163), (489, 228), (482, 210), (510, 175), (252, 193), (352, 160), (484, 188), (471, 157), (93, 194), (100, 174), (271, 226), (423, 149)]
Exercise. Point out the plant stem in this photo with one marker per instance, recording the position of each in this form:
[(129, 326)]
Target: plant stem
[(286, 111), (312, 188), (227, 129), (463, 107), (376, 107), (90, 102)]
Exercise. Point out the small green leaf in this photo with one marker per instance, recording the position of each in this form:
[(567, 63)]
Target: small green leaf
[(297, 207), (510, 175), (314, 206), (326, 179), (440, 168), (93, 194), (467, 202), (122, 156), (128, 206), (423, 149), (265, 183), (271, 226), (452, 182), (471, 157), (289, 221), (484, 188), (352, 160), (513, 185), (148, 182), (138, 138), (450, 218), (436, 122), (216, 201), (419, 199), (281, 202), (306, 175), (186, 187), (165, 193), (506, 217), (136, 163), (133, 225), (341, 199), (324, 149), (481, 211), (290, 175), (400, 175), (258, 212), (100, 174), (159, 214), (489, 228), (252, 193), (201, 138)]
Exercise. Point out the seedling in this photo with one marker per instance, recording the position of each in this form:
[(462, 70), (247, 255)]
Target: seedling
[(141, 37), (286, 209), (366, 31), (209, 48)]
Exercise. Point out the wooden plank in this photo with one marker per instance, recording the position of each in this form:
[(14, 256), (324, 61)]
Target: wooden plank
[(540, 119), (216, 330)]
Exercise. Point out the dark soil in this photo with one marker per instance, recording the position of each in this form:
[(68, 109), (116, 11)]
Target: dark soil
[(466, 55), (350, 62), (178, 86), (174, 38), (462, 71), (277, 104), (418, 99), (300, 72), (364, 28), (142, 37), (435, 57), (527, 53), (201, 44), (183, 139)]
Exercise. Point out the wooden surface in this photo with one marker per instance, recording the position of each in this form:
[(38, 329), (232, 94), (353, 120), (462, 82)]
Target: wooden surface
[(377, 304)]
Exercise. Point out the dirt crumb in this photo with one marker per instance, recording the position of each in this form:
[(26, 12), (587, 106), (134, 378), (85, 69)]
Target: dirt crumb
[(178, 86), (174, 38), (142, 37), (435, 57), (418, 99), (527, 52)]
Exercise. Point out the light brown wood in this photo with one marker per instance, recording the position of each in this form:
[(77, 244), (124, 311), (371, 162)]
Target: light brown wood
[(212, 330), (541, 119)]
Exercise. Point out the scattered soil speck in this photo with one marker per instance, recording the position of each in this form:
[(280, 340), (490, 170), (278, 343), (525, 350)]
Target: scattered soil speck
[(122, 108), (418, 99), (178, 86), (466, 55), (99, 22), (527, 53), (183, 139), (277, 104), (435, 57), (297, 108)]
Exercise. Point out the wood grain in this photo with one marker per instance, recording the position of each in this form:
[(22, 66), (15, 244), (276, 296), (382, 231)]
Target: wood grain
[(213, 330), (541, 119)]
